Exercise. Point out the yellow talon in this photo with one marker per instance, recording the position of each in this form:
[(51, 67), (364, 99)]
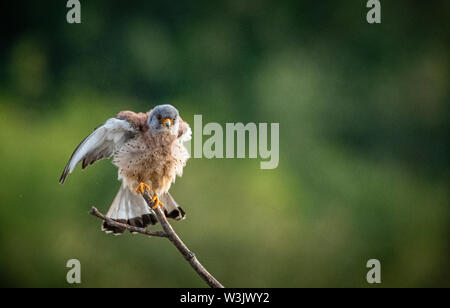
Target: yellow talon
[(156, 201), (142, 187)]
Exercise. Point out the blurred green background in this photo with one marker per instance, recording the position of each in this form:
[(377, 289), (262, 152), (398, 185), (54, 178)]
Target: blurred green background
[(364, 140)]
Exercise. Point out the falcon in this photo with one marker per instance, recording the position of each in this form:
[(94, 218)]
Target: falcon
[(148, 150)]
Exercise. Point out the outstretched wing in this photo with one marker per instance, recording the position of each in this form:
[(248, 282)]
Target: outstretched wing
[(102, 143)]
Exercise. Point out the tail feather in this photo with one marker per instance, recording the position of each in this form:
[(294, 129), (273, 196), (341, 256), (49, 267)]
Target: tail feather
[(171, 207), (128, 208), (131, 208)]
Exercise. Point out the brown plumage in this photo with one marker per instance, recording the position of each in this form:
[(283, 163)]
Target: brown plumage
[(147, 148)]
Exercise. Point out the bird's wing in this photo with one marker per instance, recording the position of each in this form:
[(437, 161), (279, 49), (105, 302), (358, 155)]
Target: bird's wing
[(102, 143), (184, 132)]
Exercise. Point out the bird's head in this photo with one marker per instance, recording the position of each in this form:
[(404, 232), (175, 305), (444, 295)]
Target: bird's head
[(164, 118)]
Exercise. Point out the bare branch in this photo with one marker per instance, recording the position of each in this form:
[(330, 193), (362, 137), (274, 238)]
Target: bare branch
[(182, 248), (169, 233), (114, 223)]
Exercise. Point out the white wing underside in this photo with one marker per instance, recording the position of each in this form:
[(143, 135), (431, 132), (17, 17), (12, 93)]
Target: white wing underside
[(102, 143)]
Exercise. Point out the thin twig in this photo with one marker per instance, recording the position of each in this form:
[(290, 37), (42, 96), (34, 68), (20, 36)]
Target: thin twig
[(182, 248), (169, 233)]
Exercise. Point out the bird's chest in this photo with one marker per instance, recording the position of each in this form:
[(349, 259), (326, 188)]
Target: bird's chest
[(147, 159)]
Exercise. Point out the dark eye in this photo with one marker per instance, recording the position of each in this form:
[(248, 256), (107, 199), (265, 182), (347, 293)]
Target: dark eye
[(158, 117)]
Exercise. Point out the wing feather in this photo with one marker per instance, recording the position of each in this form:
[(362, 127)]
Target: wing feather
[(184, 131), (102, 143)]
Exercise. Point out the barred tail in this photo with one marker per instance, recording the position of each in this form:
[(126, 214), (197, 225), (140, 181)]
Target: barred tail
[(171, 207), (130, 208)]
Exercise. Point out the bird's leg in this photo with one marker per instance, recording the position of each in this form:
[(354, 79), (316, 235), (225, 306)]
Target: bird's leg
[(156, 201), (142, 187)]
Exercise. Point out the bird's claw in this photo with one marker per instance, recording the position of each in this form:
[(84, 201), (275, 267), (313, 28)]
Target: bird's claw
[(142, 187), (155, 200)]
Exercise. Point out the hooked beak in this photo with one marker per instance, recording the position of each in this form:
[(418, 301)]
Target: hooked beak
[(167, 122)]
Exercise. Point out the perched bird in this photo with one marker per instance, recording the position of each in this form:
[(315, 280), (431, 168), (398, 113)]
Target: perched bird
[(148, 150)]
